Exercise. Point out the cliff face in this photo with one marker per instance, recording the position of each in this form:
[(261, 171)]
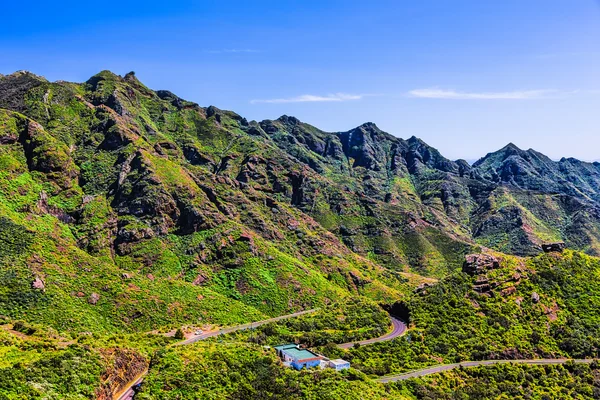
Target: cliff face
[(122, 367), (511, 200)]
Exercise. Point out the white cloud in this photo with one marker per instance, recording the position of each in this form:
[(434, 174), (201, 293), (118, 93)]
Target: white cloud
[(309, 98), (434, 93)]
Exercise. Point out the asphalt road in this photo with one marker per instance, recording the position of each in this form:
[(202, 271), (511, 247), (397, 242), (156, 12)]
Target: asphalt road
[(399, 328), (251, 325), (448, 367), (128, 393)]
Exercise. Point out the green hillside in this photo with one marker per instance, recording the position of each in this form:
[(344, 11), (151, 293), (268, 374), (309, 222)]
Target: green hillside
[(127, 212)]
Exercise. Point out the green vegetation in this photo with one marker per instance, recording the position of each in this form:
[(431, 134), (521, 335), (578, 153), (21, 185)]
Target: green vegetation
[(73, 373), (350, 321), (569, 381), (246, 371), (127, 212), (452, 322)]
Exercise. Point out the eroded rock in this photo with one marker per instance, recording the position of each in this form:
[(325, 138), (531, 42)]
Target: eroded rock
[(557, 247), (476, 264)]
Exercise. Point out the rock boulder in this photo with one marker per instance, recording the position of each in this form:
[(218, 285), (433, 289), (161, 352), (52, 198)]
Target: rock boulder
[(476, 264), (93, 299), (38, 284), (557, 247)]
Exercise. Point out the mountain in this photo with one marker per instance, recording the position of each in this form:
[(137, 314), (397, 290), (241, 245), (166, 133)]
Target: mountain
[(155, 187), (108, 185), (126, 210), (531, 170)]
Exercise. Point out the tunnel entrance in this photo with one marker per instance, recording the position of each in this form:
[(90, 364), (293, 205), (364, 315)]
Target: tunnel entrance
[(399, 310)]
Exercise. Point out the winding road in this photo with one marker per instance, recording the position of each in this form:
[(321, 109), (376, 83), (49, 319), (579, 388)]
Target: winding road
[(399, 328), (127, 393), (250, 325), (448, 367)]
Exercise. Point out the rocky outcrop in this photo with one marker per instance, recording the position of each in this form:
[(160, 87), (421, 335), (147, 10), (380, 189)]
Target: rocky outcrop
[(476, 264), (422, 288), (46, 154), (122, 367), (14, 87), (558, 247)]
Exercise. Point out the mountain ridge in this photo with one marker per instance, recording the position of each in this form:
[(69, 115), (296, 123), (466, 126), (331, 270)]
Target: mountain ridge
[(366, 125), (127, 212), (407, 173), (161, 170)]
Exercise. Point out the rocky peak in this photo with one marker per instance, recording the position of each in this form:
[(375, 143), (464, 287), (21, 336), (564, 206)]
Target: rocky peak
[(420, 155), (511, 147), (363, 144), (13, 88), (104, 75), (288, 120), (463, 166), (27, 74), (499, 156), (532, 170), (369, 126), (130, 77), (212, 110)]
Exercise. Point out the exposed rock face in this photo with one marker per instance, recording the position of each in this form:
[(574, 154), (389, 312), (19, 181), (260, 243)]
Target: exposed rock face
[(508, 291), (200, 279), (422, 288), (123, 366), (476, 264), (554, 247)]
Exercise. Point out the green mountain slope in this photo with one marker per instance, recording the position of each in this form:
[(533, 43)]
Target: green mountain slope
[(119, 226), (125, 210)]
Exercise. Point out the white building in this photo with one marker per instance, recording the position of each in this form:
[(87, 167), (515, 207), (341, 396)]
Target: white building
[(339, 364)]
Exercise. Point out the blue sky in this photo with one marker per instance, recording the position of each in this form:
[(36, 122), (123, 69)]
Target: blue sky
[(466, 76)]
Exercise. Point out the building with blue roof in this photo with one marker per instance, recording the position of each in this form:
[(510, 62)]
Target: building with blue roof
[(297, 357)]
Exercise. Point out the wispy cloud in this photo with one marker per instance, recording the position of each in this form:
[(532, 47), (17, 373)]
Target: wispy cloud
[(309, 98), (231, 51), (434, 93)]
